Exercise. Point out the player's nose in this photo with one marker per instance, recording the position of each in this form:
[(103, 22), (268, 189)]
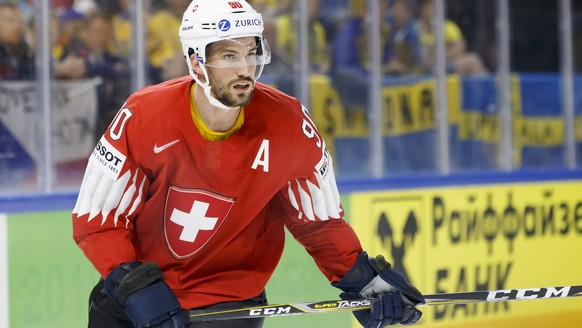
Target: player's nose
[(245, 70)]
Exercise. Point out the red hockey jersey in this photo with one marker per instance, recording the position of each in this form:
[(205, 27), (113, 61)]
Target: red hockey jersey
[(211, 214)]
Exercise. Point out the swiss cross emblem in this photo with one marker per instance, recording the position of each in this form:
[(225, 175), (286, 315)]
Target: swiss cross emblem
[(191, 218)]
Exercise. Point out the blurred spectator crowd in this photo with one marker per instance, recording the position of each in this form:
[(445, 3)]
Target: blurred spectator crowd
[(93, 39)]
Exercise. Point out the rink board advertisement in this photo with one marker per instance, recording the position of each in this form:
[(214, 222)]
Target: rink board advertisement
[(483, 237)]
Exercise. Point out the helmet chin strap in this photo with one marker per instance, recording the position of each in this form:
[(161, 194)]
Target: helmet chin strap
[(206, 86)]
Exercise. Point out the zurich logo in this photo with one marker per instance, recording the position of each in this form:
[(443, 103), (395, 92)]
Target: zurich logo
[(224, 25)]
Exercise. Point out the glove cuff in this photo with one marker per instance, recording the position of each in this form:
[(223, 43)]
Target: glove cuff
[(139, 289), (359, 275), (129, 278), (153, 305)]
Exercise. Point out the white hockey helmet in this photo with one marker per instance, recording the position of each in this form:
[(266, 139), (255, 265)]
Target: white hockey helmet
[(208, 21)]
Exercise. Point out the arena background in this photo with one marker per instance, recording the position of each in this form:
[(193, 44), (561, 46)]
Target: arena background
[(464, 181)]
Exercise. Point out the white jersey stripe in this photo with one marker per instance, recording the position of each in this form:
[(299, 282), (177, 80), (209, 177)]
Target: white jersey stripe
[(82, 189), (116, 194), (136, 202), (81, 193), (99, 197), (331, 203), (306, 203), (293, 199), (318, 201), (91, 179), (333, 186), (93, 182), (332, 196)]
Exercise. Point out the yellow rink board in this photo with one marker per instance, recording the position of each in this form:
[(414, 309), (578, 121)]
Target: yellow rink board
[(481, 237)]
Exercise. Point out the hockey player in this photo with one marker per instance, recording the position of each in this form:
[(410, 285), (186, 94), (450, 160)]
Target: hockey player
[(186, 196)]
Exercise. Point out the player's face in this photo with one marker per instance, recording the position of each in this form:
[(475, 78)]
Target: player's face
[(231, 69)]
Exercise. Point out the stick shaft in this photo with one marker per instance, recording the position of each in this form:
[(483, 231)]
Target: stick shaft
[(363, 304)]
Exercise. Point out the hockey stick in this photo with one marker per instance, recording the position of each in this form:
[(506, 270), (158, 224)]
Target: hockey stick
[(364, 304)]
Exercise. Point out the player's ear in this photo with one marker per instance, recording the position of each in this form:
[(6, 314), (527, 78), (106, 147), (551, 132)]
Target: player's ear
[(195, 64), (191, 57)]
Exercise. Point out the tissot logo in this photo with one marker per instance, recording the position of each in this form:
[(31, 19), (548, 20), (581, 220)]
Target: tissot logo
[(107, 158), (191, 218), (106, 154)]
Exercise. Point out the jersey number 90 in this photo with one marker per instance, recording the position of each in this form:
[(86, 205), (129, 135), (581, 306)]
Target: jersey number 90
[(309, 129)]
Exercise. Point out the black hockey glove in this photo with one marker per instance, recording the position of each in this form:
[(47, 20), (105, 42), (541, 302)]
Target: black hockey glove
[(140, 290), (394, 297)]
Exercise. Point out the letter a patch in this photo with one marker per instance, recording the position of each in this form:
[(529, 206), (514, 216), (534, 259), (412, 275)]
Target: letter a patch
[(262, 157)]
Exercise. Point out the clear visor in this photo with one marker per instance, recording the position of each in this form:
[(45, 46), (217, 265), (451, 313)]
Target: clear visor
[(240, 52)]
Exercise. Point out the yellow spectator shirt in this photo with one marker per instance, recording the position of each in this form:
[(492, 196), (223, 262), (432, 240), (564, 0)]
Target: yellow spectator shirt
[(452, 34), (287, 39), (163, 45)]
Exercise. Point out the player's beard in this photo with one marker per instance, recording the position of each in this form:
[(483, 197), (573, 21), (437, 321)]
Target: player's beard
[(225, 94)]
